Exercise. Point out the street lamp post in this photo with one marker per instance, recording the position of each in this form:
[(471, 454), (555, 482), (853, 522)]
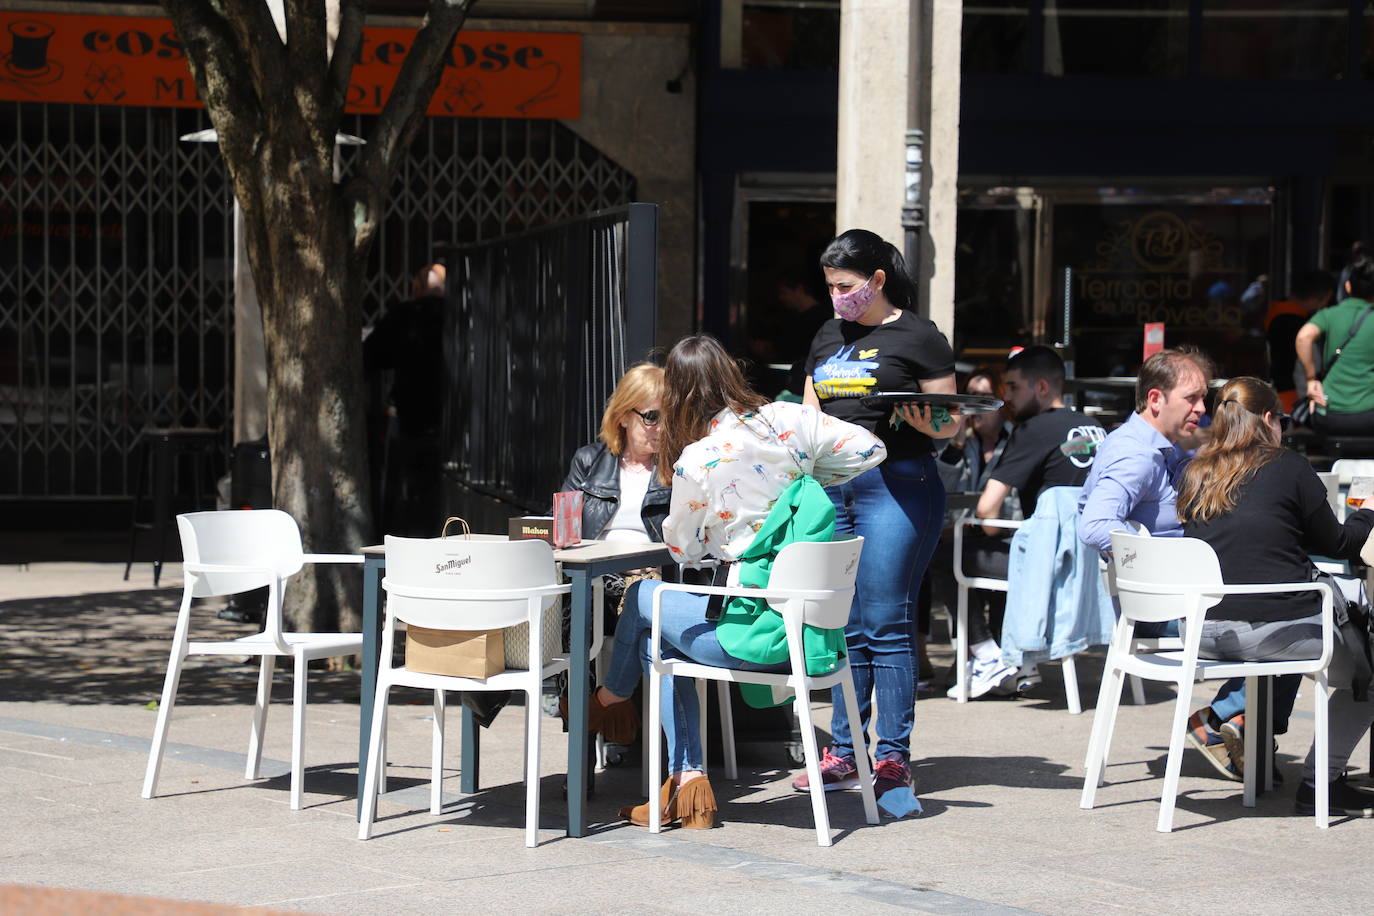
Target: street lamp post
[(913, 212)]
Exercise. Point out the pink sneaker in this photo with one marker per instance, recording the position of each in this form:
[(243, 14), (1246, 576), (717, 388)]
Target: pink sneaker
[(836, 773)]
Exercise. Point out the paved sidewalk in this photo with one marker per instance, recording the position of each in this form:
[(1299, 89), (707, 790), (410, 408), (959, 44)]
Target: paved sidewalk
[(1002, 831)]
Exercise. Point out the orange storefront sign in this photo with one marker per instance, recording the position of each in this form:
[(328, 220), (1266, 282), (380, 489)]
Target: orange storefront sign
[(118, 60)]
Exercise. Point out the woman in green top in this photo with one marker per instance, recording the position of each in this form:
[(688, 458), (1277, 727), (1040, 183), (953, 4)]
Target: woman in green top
[(1344, 397), (732, 458)]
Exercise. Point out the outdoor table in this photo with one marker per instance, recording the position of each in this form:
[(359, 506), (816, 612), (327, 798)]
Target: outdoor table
[(583, 565), (961, 499)]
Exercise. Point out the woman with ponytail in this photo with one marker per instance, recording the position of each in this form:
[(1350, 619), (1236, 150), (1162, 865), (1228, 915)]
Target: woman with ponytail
[(1263, 509), (877, 343)]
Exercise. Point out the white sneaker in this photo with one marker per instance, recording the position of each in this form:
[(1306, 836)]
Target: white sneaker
[(984, 676), (1019, 681)]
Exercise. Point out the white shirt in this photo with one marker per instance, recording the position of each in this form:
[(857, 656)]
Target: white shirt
[(725, 485), (627, 525)]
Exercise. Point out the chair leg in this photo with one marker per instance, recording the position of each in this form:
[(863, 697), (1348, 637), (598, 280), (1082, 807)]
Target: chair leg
[(1182, 703), (1069, 668), (164, 716), (259, 728), (851, 706), (1320, 712), (532, 766), (813, 762), (699, 684), (654, 739), (1108, 697), (1137, 691), (298, 732), (727, 730), (436, 757), (1251, 792), (961, 648), (376, 765)]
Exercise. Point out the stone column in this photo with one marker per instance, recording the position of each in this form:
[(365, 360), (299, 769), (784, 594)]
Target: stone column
[(894, 75)]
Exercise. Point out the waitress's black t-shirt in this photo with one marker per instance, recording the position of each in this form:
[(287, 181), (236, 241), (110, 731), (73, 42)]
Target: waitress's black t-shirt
[(849, 360)]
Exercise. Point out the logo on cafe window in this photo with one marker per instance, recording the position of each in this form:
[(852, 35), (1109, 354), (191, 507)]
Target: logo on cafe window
[(1159, 241)]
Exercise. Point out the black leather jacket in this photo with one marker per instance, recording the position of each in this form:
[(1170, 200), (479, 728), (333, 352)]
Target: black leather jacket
[(596, 472)]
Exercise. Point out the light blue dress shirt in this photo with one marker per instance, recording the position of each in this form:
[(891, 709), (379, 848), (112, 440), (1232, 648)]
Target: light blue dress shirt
[(1134, 478)]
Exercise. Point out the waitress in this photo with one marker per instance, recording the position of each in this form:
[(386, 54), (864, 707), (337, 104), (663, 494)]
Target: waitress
[(879, 344)]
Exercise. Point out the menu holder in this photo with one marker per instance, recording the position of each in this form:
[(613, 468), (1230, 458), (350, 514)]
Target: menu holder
[(567, 518)]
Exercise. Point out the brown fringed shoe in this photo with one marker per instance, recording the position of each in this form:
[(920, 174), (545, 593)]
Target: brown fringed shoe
[(639, 814), (693, 804), (617, 723)]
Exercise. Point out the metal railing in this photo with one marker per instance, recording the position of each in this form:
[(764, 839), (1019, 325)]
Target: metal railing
[(540, 327)]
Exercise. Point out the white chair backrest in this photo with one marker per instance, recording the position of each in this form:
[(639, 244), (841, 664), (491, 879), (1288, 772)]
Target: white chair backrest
[(1143, 564), (1332, 481), (1347, 469), (264, 538), (819, 565), (454, 574)]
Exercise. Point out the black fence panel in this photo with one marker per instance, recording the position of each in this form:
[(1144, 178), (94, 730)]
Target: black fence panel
[(539, 328)]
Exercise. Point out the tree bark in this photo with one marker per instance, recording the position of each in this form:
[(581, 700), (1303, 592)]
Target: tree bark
[(276, 112)]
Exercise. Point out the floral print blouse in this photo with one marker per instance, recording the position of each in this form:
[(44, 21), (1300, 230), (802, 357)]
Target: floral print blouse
[(725, 485)]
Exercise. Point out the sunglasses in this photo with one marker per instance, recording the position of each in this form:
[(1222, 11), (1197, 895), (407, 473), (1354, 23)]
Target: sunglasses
[(648, 417)]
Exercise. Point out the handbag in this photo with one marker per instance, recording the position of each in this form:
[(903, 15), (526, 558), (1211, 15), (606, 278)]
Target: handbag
[(1302, 410), (1354, 621)]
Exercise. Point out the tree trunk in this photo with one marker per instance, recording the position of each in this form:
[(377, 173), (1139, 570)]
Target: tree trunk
[(312, 327)]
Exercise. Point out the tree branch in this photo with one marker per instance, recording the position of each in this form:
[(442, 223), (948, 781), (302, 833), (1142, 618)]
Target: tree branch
[(307, 61), (258, 41), (224, 83), (346, 45), (402, 115)]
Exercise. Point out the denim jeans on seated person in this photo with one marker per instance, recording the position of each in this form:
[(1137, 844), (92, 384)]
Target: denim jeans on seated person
[(688, 635)]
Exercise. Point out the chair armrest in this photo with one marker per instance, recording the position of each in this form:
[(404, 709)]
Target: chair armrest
[(1010, 524), (743, 591), (475, 594), (225, 568), (334, 558)]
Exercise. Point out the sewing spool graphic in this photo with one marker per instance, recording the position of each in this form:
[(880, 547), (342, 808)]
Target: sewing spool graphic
[(27, 62)]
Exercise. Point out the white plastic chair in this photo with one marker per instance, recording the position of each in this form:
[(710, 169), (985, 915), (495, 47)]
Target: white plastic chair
[(812, 583), (1160, 579), (235, 551), (460, 584), (965, 583)]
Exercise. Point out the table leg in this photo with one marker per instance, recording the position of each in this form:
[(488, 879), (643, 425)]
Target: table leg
[(372, 651), (470, 740), (578, 686)]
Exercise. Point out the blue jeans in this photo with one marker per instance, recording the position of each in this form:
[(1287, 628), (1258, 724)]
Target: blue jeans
[(898, 508), (687, 634)]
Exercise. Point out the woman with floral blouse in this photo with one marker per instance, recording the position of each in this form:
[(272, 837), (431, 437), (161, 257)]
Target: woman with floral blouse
[(730, 455)]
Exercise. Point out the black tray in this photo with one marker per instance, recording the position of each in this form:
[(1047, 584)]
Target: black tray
[(966, 403)]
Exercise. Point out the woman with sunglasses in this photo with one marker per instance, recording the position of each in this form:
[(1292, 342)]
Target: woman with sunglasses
[(621, 499), (1263, 509)]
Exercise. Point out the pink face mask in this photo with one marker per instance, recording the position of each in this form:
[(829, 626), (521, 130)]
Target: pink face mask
[(854, 303)]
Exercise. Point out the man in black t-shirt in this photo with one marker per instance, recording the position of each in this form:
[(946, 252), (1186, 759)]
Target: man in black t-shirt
[(1051, 446)]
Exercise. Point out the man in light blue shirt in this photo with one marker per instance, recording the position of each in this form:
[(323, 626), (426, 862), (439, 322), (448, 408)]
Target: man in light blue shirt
[(1135, 479), (1136, 473)]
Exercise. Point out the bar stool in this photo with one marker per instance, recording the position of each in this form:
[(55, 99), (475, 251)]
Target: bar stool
[(158, 455)]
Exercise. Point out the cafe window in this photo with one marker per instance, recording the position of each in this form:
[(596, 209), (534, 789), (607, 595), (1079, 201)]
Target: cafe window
[(996, 37), (1091, 266), (780, 35), (1274, 39), (1116, 38)]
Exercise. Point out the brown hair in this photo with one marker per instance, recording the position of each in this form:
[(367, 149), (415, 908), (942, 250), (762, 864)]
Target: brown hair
[(699, 381), (993, 376), (1241, 444), (643, 382), (1165, 369)]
